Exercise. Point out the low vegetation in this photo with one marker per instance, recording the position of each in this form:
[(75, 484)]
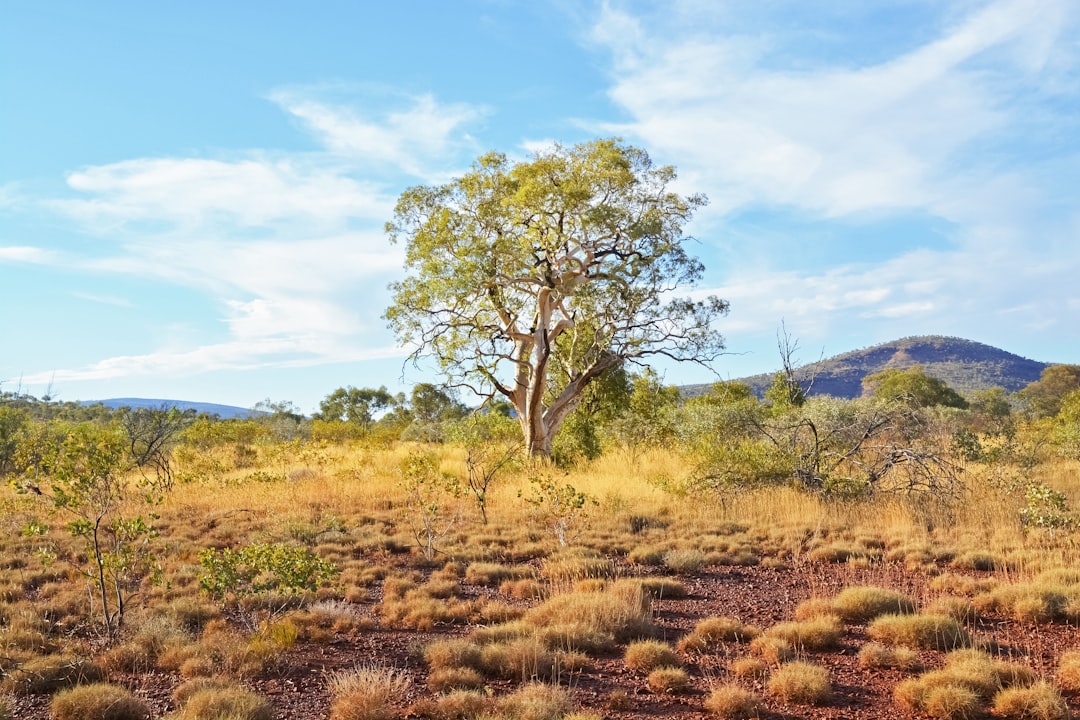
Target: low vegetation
[(662, 575)]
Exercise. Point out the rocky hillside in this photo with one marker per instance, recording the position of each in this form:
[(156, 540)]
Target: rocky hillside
[(965, 365)]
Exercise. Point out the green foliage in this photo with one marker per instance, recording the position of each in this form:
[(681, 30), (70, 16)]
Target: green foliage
[(912, 386), (1044, 397), (650, 418), (81, 471), (233, 576), (492, 445), (566, 262), (562, 505), (356, 405), (431, 496)]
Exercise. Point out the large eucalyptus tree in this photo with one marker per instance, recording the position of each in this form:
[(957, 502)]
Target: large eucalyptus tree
[(531, 280)]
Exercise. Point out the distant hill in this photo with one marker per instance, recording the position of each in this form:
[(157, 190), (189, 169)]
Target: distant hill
[(225, 412), (965, 365)]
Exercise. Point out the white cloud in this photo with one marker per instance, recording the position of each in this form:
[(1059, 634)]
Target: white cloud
[(289, 246), (26, 254), (831, 139), (418, 140)]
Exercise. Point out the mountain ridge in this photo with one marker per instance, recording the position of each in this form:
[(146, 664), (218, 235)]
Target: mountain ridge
[(965, 365)]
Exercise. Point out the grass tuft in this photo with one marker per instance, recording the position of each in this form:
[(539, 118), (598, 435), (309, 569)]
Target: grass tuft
[(1040, 701), (731, 702), (862, 604), (801, 683), (365, 693), (98, 701), (931, 632)]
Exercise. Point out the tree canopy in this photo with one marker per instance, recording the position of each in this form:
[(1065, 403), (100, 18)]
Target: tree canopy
[(912, 386), (531, 280)]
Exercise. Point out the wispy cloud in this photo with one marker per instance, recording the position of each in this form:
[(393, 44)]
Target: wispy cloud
[(417, 139), (832, 139), (971, 123), (26, 254), (288, 245)]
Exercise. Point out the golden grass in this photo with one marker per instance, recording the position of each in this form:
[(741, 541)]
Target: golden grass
[(1040, 701), (97, 701), (860, 604), (801, 683), (932, 632), (648, 655), (365, 693), (731, 702)]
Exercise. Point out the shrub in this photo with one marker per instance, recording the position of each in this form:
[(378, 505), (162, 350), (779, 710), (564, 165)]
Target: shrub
[(668, 681), (861, 604), (731, 702), (932, 632), (1037, 702), (648, 655), (99, 701), (365, 693), (801, 683)]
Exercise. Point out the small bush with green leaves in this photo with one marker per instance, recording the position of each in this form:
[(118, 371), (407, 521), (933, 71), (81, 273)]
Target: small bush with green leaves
[(275, 570)]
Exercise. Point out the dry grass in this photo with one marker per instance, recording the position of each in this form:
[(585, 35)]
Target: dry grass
[(365, 693), (931, 632), (668, 681), (648, 655), (808, 635), (1040, 701), (98, 701), (220, 700), (1068, 671), (710, 631), (876, 655), (861, 604), (731, 702), (535, 702), (801, 683)]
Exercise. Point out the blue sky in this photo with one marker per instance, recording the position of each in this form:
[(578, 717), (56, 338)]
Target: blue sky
[(192, 195)]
